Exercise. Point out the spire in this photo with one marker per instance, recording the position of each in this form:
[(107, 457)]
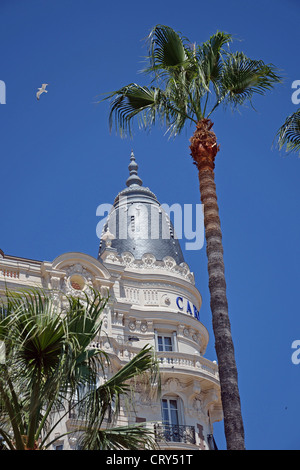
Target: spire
[(139, 223), (133, 172)]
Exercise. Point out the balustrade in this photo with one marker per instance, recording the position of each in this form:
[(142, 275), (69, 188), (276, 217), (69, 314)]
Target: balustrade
[(175, 433), (187, 361)]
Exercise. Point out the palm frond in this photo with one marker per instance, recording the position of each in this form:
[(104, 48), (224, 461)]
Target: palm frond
[(51, 348), (166, 50), (133, 100), (289, 133), (189, 82), (132, 437), (174, 63), (104, 401), (210, 57), (33, 331), (149, 105), (243, 77)]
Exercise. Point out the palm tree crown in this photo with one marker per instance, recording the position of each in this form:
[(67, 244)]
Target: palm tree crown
[(188, 82), (52, 368)]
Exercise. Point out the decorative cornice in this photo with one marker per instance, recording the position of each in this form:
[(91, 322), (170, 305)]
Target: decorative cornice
[(148, 261)]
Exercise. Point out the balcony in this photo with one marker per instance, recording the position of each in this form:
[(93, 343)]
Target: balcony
[(175, 433), (188, 363)]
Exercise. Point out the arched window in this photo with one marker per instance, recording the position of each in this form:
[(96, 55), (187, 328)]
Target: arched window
[(173, 428), (171, 411)]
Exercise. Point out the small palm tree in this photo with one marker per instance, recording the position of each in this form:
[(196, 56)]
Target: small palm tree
[(188, 83), (288, 134), (51, 369)]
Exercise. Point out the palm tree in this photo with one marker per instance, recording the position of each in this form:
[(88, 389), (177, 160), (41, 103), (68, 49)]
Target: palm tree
[(188, 83), (288, 134), (52, 369)]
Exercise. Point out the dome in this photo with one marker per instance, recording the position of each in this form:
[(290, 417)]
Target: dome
[(139, 224)]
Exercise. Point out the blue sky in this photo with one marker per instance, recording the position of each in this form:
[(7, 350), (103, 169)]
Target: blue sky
[(59, 162)]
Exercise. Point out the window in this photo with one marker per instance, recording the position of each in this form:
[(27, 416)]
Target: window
[(170, 413), (165, 342), (171, 428), (132, 222)]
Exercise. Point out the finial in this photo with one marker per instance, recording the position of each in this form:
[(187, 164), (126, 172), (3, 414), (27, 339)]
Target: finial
[(108, 237), (133, 172)]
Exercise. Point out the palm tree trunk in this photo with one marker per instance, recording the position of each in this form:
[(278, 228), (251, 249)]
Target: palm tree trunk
[(204, 149)]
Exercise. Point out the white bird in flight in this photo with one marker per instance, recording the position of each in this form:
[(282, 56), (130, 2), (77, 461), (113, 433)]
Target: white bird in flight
[(41, 90)]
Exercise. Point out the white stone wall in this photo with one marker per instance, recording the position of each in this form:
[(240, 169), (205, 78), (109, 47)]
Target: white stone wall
[(148, 299)]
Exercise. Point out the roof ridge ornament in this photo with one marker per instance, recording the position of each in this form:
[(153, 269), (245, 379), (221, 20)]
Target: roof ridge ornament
[(133, 179), (108, 237)]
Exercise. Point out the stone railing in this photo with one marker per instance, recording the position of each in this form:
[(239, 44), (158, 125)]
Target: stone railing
[(8, 272), (188, 362)]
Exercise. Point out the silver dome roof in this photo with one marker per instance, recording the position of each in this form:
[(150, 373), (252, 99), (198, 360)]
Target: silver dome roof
[(139, 223)]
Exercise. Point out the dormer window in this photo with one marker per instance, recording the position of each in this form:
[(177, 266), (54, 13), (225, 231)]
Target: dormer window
[(132, 223)]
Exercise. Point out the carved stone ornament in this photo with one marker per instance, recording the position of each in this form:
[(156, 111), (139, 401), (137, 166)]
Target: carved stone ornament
[(165, 300), (197, 404), (185, 269), (169, 262), (148, 260), (131, 325), (78, 281), (127, 258), (55, 282), (108, 237), (172, 385), (113, 258), (186, 332)]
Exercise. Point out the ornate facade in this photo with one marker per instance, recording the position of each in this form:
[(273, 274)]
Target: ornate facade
[(153, 300)]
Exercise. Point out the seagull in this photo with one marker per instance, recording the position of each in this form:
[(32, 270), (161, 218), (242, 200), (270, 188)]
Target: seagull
[(42, 90)]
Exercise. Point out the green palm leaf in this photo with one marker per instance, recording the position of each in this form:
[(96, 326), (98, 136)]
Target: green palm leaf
[(188, 82), (210, 56), (149, 104), (49, 363), (242, 77), (166, 48), (131, 437), (289, 133), (130, 101), (104, 401)]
